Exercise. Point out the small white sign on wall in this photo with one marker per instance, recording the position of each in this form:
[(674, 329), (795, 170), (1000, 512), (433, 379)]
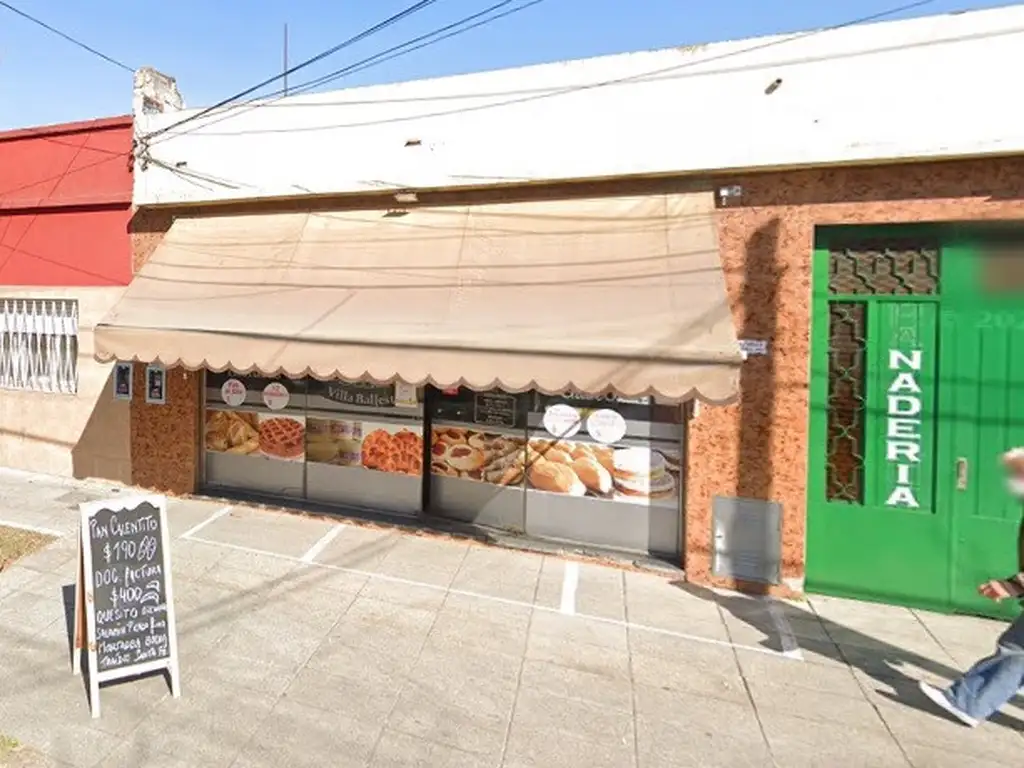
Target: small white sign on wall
[(753, 347), (123, 381), (156, 384)]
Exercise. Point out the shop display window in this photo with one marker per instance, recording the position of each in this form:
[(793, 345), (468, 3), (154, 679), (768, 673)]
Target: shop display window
[(605, 470), (330, 434), (375, 427), (255, 416), (626, 450), (479, 436)]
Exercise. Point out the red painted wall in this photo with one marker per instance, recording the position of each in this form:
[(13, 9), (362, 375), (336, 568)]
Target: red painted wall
[(65, 203)]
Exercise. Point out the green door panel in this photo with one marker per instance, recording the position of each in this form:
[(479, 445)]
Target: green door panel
[(982, 402), (880, 540)]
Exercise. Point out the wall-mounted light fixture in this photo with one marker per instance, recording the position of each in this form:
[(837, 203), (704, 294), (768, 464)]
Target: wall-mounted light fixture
[(731, 193)]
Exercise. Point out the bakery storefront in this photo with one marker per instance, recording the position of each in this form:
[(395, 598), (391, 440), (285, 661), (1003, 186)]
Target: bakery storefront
[(523, 366)]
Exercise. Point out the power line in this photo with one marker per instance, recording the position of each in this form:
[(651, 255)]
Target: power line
[(417, 43), (66, 36), (646, 78), (414, 8), (391, 53), (550, 93)]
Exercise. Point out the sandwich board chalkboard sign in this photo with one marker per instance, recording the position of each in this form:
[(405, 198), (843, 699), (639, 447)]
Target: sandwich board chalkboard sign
[(124, 602)]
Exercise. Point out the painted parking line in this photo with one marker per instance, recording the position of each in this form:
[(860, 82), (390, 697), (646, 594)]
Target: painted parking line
[(322, 543), (211, 519), (503, 600), (790, 646), (570, 582), (32, 528)]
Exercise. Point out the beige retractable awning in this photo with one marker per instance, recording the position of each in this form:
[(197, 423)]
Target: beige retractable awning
[(623, 294)]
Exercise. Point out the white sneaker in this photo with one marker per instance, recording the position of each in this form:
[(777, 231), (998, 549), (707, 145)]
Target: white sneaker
[(942, 700)]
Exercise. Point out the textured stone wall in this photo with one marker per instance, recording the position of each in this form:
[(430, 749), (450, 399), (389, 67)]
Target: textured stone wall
[(164, 438)]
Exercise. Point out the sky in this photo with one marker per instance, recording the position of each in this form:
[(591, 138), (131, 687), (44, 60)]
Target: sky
[(216, 48)]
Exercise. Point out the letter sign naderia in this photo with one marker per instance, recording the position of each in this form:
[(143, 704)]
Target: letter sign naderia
[(903, 425)]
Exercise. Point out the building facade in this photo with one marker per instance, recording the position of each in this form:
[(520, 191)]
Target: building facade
[(780, 245), (811, 437), (65, 257)]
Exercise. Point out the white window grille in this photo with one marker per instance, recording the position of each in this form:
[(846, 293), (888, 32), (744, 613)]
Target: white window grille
[(39, 345)]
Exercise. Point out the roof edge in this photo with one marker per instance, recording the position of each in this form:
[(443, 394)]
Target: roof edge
[(62, 129)]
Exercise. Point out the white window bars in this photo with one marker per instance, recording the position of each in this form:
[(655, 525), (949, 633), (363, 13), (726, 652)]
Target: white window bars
[(39, 345)]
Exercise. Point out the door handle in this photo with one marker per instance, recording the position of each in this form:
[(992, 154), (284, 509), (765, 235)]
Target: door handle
[(961, 474)]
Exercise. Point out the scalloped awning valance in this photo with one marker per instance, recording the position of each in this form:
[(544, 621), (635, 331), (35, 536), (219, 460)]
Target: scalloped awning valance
[(618, 294)]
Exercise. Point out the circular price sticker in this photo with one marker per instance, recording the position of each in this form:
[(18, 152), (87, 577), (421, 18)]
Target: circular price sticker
[(276, 396), (232, 392), (606, 426), (562, 421)]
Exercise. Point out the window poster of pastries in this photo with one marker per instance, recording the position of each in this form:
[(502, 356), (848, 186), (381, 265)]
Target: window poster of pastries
[(632, 474), (472, 454), (637, 474), (396, 448), (272, 436)]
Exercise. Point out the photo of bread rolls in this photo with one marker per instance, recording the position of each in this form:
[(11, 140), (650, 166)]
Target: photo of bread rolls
[(635, 475), (558, 456), (592, 474), (557, 478)]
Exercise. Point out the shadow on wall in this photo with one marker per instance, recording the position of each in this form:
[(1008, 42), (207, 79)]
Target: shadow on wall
[(81, 436), (146, 229), (103, 449), (759, 298)]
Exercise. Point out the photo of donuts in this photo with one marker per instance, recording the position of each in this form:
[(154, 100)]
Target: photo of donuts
[(633, 474)]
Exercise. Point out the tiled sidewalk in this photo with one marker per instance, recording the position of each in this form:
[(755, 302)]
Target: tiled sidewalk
[(308, 642)]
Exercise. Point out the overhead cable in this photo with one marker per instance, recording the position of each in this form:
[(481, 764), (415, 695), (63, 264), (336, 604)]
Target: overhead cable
[(65, 36), (551, 93), (410, 10), (416, 43)]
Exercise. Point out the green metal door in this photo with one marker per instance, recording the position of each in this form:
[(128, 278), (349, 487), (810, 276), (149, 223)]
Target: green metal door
[(917, 388), (982, 405), (874, 529)]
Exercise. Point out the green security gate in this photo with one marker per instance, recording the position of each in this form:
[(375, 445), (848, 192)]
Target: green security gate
[(914, 396)]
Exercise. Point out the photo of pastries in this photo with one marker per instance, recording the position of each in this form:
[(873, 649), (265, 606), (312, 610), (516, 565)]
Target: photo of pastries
[(482, 456), (251, 434), (399, 451), (636, 475), (232, 432), (380, 447)]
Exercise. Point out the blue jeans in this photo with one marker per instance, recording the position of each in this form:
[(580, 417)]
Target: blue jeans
[(994, 680)]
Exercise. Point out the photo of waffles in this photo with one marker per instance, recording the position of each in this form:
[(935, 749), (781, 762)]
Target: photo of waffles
[(635, 475), (232, 432), (282, 437), (399, 451)]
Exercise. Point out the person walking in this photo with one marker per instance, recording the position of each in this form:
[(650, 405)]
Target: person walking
[(993, 681)]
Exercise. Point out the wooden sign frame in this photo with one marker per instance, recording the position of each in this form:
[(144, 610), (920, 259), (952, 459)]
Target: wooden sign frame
[(85, 614)]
